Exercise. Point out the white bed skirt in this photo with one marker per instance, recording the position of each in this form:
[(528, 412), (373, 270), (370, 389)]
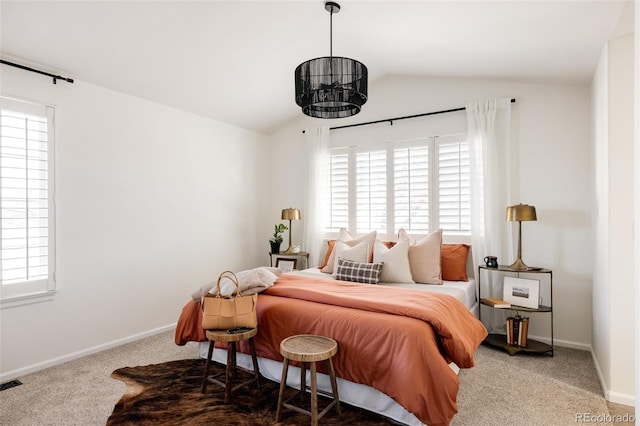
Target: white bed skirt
[(355, 394)]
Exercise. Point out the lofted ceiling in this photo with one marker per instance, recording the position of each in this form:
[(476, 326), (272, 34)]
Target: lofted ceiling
[(233, 61)]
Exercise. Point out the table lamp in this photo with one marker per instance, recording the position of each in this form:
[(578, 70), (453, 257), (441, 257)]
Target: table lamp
[(520, 213), (290, 214)]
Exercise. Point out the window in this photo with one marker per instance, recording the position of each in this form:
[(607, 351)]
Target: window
[(371, 191), (454, 185), (337, 202), (419, 185), (411, 189), (26, 200)]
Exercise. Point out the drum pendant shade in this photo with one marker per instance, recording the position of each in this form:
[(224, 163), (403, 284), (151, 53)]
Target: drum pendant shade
[(331, 86)]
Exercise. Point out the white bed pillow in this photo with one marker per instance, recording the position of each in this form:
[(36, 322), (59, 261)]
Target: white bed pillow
[(357, 253), (396, 268), (424, 257), (250, 281), (345, 237)]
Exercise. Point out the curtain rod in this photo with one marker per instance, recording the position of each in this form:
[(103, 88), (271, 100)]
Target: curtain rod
[(23, 67), (391, 120)]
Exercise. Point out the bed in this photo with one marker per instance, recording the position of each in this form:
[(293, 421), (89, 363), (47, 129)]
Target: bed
[(400, 345)]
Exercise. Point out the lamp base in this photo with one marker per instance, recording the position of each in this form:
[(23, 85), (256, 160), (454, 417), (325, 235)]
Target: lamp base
[(289, 251), (519, 265)]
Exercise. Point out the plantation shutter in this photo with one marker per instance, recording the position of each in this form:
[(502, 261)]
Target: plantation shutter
[(419, 185), (411, 188), (338, 203), (371, 191), (454, 206), (26, 198)]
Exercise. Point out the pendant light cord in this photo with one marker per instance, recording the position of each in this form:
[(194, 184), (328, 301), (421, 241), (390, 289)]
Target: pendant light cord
[(331, 33)]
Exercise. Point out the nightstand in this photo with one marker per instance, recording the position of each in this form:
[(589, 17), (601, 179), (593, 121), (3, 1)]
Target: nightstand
[(289, 262), (500, 340)]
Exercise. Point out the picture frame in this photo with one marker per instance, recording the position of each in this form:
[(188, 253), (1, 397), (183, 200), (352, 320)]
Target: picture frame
[(522, 292), (287, 265)]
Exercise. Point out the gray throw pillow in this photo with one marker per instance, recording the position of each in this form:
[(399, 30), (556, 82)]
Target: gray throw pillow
[(358, 272)]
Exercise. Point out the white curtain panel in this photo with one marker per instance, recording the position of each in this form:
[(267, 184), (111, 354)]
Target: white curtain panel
[(488, 127), (317, 143)]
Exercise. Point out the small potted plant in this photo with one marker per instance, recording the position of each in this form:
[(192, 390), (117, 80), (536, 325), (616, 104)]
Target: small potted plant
[(276, 240)]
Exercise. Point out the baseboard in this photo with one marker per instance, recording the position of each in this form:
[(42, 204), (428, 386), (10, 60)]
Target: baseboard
[(14, 374), (562, 343), (609, 395), (620, 398)]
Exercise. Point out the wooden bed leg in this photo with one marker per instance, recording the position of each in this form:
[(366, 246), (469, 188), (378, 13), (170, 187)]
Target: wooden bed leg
[(283, 384)]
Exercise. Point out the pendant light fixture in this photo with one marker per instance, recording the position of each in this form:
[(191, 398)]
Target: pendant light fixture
[(331, 86)]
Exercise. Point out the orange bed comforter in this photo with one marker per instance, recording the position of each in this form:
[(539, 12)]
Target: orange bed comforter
[(398, 341)]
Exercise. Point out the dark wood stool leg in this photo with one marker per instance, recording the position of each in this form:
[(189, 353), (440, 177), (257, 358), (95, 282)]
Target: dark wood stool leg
[(303, 380), (283, 384), (206, 368), (314, 395), (334, 385), (254, 358), (231, 350), (234, 361)]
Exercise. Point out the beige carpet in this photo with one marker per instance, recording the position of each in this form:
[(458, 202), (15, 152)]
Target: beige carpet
[(82, 392), (519, 390), (529, 390)]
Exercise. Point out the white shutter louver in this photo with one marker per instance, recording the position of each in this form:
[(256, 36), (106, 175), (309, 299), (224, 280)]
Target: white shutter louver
[(453, 185), (338, 203), (371, 191), (411, 189)]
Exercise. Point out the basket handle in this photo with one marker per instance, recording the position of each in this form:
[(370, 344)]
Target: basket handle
[(231, 277)]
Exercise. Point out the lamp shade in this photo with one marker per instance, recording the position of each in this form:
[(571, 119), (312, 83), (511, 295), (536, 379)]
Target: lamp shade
[(290, 214), (521, 213), (331, 87)]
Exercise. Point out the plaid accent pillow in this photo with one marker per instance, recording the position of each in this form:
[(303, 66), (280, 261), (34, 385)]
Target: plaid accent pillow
[(358, 272)]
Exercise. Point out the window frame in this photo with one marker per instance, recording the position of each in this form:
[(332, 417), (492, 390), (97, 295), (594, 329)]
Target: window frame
[(432, 143), (26, 292)]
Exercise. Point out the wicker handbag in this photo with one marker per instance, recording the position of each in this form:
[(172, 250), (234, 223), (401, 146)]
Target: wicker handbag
[(220, 313)]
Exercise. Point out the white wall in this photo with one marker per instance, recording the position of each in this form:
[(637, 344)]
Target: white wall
[(621, 202), (552, 156), (152, 203), (613, 309), (637, 199), (601, 340)]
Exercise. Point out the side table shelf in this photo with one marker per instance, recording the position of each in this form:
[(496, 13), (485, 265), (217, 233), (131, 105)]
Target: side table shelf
[(533, 346), (298, 260), (500, 340)]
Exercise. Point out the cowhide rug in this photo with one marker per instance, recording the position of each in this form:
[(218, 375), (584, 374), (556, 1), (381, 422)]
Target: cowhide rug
[(169, 394)]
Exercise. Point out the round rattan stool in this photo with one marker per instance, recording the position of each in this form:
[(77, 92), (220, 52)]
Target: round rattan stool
[(230, 373), (308, 349)]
